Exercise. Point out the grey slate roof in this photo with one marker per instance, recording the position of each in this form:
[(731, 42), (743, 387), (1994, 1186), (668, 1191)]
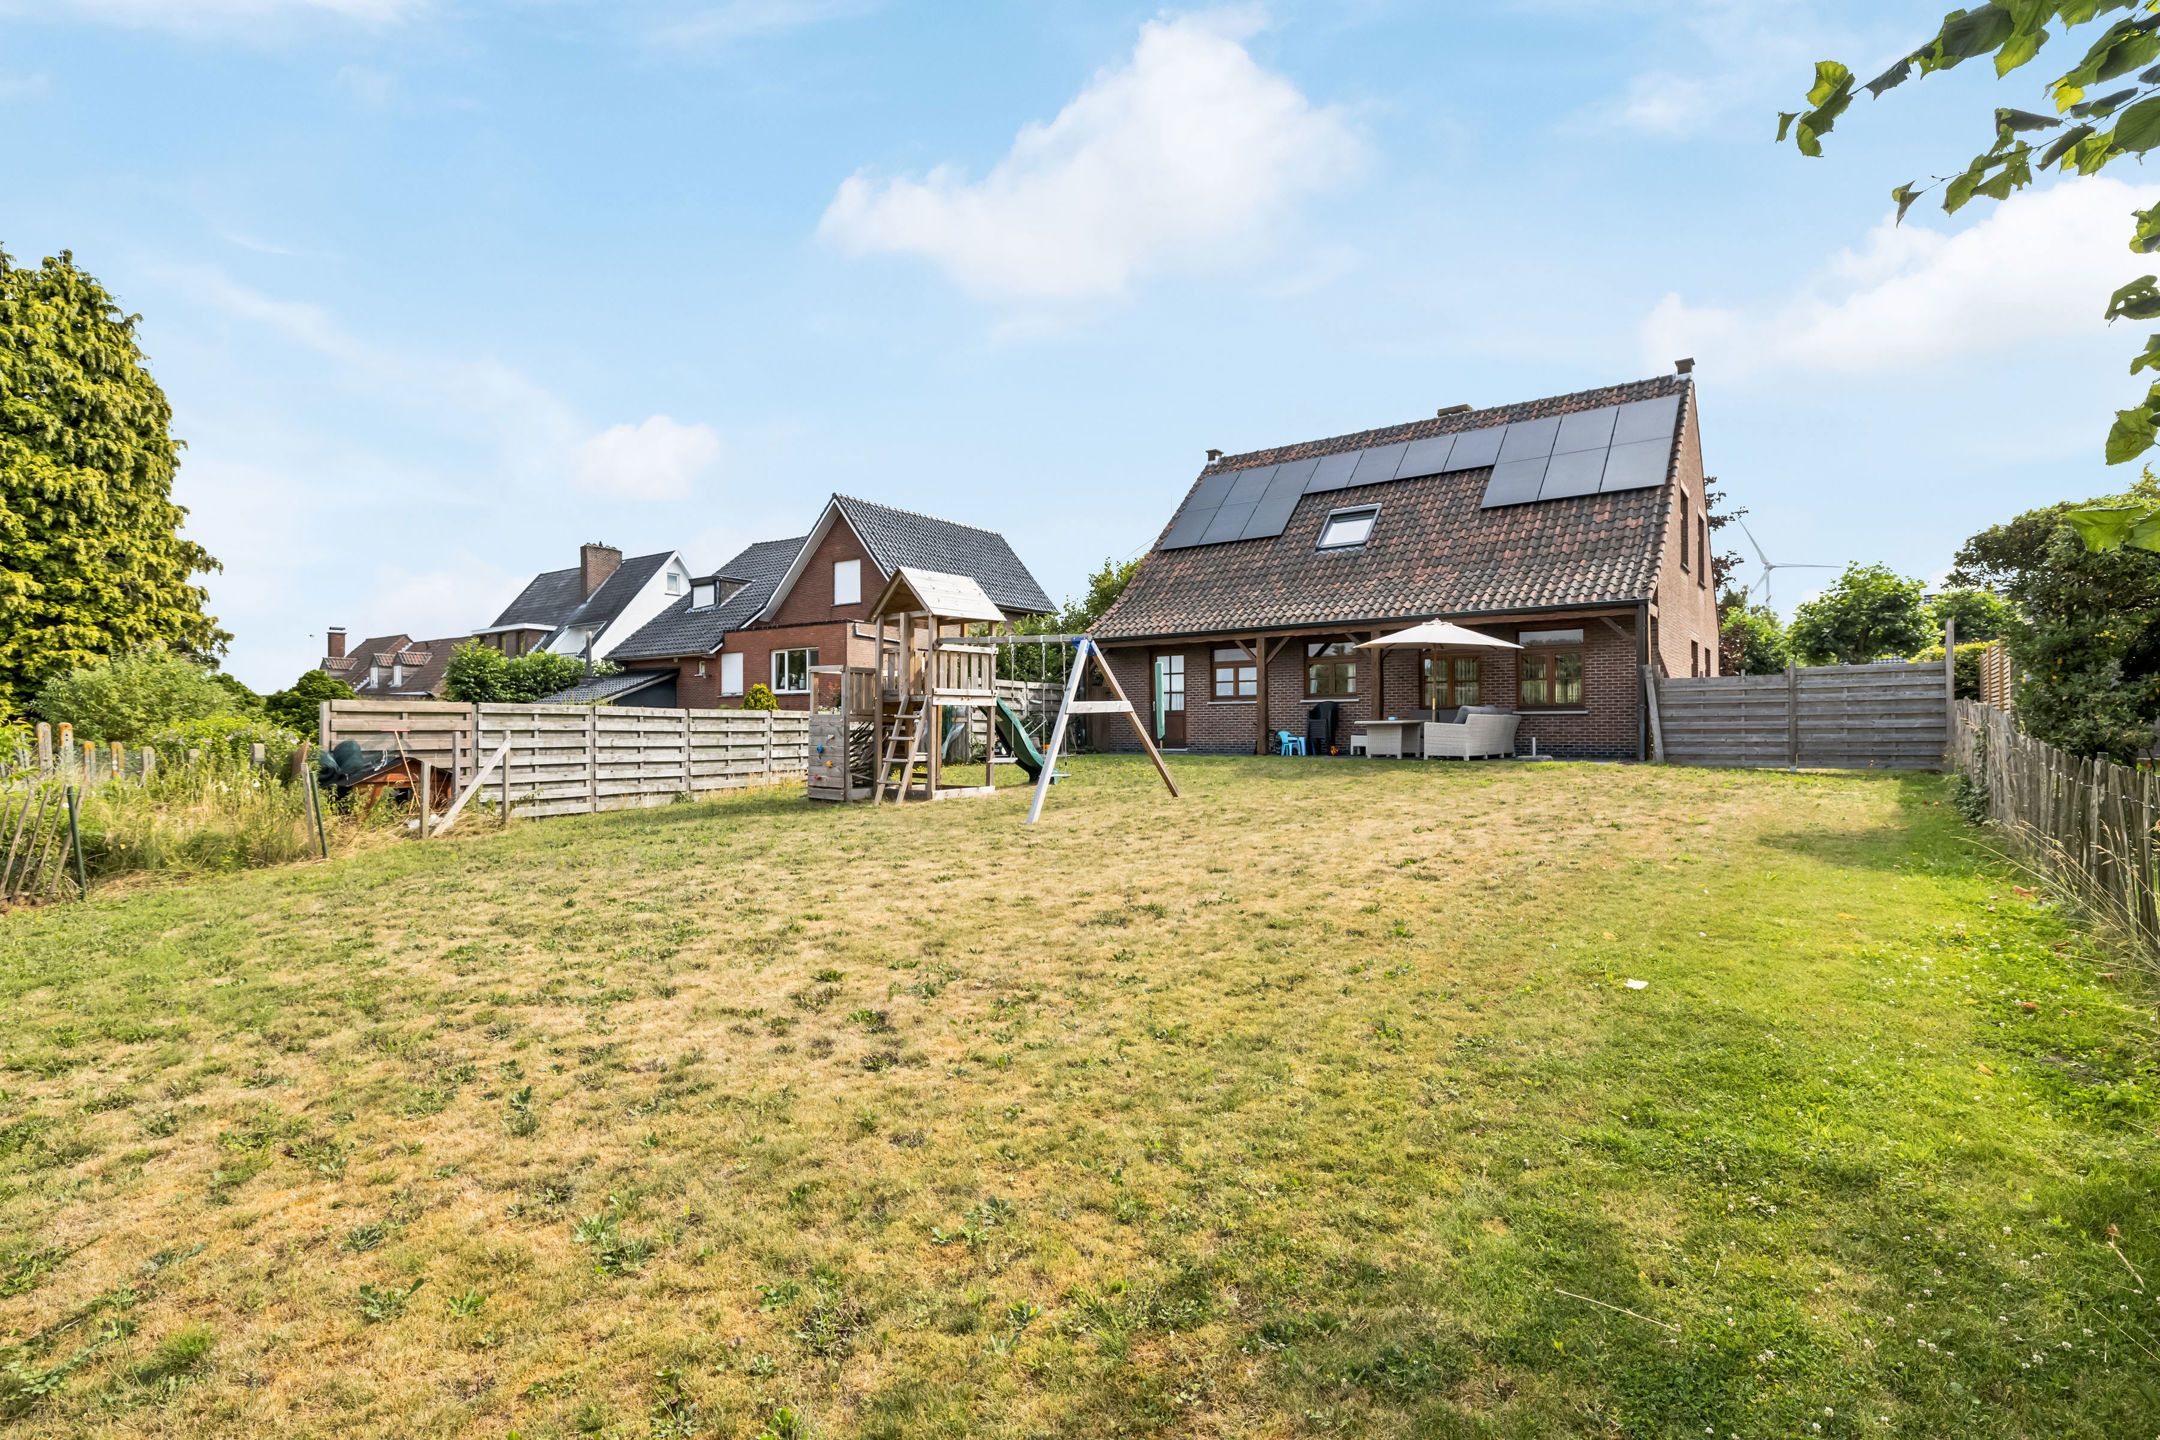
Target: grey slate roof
[(594, 689), (1435, 551), (556, 598), (902, 537), (679, 630)]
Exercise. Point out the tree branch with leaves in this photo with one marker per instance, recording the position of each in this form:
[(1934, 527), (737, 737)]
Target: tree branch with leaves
[(2087, 132)]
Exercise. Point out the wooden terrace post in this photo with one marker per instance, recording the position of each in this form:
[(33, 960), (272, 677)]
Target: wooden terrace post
[(44, 748)]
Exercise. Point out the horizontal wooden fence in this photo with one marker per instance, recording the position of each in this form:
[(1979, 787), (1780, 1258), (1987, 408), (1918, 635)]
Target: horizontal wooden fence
[(1832, 717), (2085, 823), (579, 759)]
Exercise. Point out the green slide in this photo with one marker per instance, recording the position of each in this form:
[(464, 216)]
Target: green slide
[(1016, 739)]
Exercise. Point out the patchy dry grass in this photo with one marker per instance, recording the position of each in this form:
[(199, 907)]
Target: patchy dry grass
[(1309, 1104)]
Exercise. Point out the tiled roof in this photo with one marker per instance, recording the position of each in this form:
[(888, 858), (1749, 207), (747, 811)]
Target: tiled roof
[(679, 630), (556, 598), (598, 689), (1433, 552), (902, 537), (425, 664)]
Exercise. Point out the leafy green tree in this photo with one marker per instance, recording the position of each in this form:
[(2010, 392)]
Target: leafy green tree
[(1752, 640), (132, 698), (1980, 614), (2084, 636), (92, 562), (476, 675), (2094, 124), (298, 708), (243, 700), (1867, 613)]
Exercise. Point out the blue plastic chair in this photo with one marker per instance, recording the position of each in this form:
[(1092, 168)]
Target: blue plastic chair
[(1289, 744)]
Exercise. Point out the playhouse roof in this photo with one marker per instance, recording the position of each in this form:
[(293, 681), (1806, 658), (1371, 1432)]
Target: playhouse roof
[(935, 592)]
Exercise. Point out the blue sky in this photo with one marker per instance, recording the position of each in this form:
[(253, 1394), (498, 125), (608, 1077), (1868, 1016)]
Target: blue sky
[(441, 288)]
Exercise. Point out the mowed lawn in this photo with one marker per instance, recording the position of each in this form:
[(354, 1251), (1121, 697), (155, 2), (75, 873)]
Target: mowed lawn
[(1315, 1103)]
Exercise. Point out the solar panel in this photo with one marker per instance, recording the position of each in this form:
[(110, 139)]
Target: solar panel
[(1586, 430), (1529, 439), (1425, 457), (1212, 488), (1575, 473), (1475, 449), (1273, 511), (1299, 472), (1647, 420), (1249, 485), (1192, 522), (1637, 466), (1333, 471), (1228, 524), (1378, 465), (1515, 482)]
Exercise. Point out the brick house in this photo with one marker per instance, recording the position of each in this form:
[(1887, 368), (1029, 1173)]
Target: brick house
[(782, 606), (390, 666), (1573, 526)]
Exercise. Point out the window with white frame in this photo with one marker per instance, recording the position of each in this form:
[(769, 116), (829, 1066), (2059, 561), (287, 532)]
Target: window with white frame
[(791, 671), (847, 582), (703, 595), (674, 583), (731, 675), (1347, 529)]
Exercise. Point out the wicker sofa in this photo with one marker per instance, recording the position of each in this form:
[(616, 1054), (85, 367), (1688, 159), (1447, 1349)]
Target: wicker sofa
[(1475, 732)]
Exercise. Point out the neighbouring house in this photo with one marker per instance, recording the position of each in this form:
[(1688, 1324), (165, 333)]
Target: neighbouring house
[(783, 606), (386, 667), (1573, 526), (589, 608)]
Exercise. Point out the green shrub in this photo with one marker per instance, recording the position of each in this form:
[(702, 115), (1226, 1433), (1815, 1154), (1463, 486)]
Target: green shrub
[(1966, 668), (761, 698), (1970, 796), (230, 736), (133, 697), (298, 708), (481, 676)]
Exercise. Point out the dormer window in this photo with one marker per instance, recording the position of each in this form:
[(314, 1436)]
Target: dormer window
[(397, 673), (704, 595), (1348, 529)]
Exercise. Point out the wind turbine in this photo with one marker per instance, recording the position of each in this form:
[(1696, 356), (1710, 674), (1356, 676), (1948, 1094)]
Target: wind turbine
[(1769, 565)]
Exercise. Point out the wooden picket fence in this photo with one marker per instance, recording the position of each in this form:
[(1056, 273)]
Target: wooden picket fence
[(40, 846), (2086, 824), (533, 761), (54, 753)]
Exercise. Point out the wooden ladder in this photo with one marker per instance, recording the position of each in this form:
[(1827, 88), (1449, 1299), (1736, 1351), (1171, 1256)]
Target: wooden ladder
[(902, 753)]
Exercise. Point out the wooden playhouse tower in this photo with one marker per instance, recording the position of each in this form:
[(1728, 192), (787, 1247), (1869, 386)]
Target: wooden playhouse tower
[(888, 730), (884, 731)]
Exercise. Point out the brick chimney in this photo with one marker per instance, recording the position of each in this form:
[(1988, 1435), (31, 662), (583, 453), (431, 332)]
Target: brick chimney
[(334, 642), (596, 563)]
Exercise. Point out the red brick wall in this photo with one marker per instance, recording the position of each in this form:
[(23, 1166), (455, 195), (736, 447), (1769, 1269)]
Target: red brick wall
[(1608, 726), (835, 642), (811, 601), (1686, 601)]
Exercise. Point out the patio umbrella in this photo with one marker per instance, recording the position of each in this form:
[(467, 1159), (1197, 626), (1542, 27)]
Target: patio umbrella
[(1437, 635)]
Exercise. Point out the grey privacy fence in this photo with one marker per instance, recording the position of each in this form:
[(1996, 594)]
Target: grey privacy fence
[(539, 760), (1832, 717), (2085, 823)]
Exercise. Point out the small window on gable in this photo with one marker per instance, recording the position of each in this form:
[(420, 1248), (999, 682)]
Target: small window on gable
[(1347, 529), (1686, 535), (847, 582), (702, 595), (674, 583)]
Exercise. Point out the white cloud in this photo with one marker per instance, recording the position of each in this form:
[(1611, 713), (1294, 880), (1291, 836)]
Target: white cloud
[(657, 460), (1181, 158), (2039, 266), (1661, 104), (204, 14)]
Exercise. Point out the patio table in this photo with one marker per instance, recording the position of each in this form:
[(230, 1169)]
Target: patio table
[(1393, 739)]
